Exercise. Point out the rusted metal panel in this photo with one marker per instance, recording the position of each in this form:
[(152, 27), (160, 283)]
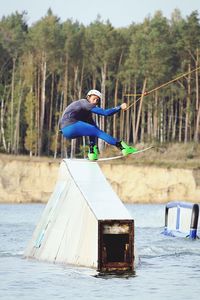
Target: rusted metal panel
[(116, 246)]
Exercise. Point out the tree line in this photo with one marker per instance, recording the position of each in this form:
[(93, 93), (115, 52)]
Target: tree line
[(46, 66)]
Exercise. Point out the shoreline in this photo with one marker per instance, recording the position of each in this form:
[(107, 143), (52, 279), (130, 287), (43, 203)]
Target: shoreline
[(25, 180)]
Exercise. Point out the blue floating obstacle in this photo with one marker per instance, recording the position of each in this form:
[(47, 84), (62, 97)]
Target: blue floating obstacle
[(181, 219)]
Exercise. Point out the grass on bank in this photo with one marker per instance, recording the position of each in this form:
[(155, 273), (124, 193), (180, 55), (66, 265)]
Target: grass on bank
[(166, 155), (177, 155)]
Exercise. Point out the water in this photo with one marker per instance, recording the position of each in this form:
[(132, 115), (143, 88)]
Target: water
[(169, 267)]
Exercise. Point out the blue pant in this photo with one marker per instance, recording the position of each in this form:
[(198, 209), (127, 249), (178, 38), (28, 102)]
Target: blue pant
[(85, 129)]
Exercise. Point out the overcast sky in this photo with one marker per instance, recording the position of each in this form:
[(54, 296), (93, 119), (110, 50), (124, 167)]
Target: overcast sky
[(121, 13)]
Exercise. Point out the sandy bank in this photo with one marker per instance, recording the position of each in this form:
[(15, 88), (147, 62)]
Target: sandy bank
[(23, 181)]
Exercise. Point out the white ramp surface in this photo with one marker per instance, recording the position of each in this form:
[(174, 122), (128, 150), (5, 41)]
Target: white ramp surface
[(98, 193), (68, 228)]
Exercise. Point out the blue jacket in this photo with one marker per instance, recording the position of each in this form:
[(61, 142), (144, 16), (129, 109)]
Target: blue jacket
[(81, 110)]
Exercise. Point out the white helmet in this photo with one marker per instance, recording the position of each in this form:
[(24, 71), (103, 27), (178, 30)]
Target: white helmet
[(94, 92)]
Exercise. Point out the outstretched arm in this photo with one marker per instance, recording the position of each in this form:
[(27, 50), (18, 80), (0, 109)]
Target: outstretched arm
[(109, 111)]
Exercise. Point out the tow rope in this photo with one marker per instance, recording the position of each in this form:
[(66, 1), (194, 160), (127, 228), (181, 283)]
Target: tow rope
[(146, 93)]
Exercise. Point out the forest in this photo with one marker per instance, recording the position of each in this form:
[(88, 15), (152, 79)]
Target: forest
[(153, 66)]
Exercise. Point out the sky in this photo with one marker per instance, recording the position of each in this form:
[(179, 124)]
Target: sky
[(121, 13)]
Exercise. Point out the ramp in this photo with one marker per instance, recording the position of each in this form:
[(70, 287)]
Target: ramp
[(84, 223)]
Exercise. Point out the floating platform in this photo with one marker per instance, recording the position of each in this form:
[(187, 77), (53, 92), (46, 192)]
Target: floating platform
[(84, 222), (181, 219)]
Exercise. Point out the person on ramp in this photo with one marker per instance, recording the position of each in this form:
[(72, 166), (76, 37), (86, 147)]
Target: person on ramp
[(77, 121)]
